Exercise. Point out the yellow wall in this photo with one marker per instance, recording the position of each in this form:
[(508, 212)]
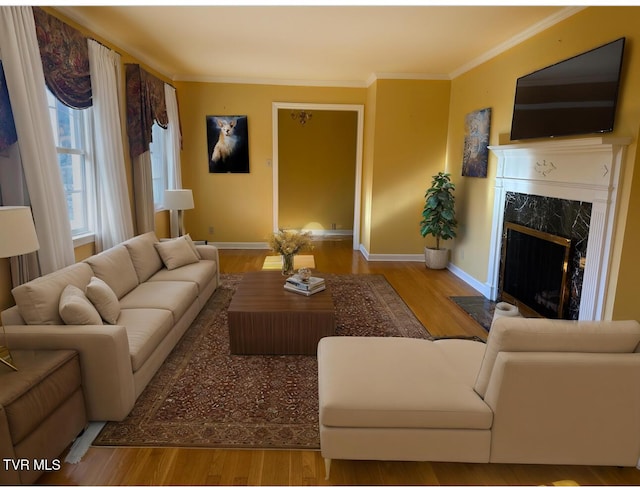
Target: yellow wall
[(239, 207), (493, 85), (412, 130), (409, 146), (625, 289), (317, 170)]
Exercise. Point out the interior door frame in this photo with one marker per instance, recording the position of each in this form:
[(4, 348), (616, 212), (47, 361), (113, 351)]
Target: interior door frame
[(359, 109)]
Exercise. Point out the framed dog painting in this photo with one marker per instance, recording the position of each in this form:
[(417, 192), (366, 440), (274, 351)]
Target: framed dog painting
[(228, 143)]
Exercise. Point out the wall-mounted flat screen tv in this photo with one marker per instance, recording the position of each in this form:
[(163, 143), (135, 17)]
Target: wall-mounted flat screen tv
[(575, 96)]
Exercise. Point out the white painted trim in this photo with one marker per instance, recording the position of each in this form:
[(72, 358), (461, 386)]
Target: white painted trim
[(395, 257), (84, 239), (240, 245), (273, 82), (472, 281), (582, 169), (517, 39), (359, 109), (146, 59), (364, 251), (409, 76), (330, 233)]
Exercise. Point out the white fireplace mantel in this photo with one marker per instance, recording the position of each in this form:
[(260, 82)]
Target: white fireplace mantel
[(585, 169)]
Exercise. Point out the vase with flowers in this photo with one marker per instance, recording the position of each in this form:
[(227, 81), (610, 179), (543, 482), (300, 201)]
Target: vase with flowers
[(288, 243)]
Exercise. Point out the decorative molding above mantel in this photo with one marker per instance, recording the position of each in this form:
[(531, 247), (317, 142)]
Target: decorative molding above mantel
[(581, 169)]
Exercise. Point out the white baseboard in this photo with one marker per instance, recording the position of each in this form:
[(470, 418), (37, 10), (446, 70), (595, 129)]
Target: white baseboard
[(395, 257), (330, 233), (241, 245), (482, 288), (265, 245)]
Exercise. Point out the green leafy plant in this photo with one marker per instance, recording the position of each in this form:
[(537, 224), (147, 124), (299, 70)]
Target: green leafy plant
[(438, 216)]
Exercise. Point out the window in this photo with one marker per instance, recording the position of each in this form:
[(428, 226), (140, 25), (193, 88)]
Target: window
[(159, 164), (70, 136)]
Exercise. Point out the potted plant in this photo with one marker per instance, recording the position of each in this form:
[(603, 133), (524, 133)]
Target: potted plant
[(439, 219)]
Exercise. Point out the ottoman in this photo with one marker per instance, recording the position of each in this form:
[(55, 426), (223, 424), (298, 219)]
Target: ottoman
[(42, 411)]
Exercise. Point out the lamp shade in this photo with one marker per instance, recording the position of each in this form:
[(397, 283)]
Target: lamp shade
[(18, 231), (178, 199)]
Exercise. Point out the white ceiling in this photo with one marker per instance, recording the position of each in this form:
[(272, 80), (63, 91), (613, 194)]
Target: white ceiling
[(314, 45)]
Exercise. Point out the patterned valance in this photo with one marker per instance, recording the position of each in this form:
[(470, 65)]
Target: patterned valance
[(65, 59), (145, 104), (8, 135)]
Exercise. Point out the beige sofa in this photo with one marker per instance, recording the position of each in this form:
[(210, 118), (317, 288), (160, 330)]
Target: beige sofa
[(151, 291), (539, 391)]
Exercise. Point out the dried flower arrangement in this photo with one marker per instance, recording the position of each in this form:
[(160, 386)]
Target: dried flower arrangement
[(290, 242)]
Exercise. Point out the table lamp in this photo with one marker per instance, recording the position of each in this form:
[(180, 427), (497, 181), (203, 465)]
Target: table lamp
[(18, 238), (179, 200)]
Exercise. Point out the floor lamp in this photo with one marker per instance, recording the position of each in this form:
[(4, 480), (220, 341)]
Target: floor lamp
[(179, 200), (19, 237)]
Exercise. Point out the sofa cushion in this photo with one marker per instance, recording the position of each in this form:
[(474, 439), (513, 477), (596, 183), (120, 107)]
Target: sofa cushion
[(104, 300), (176, 253), (548, 335), (175, 296), (76, 309), (391, 382), (202, 273), (38, 300), (464, 357), (146, 328), (114, 266), (144, 255), (192, 244)]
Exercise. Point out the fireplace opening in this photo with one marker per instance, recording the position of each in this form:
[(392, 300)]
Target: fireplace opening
[(534, 270)]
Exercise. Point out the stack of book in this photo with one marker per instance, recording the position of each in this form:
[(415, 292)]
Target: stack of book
[(307, 287)]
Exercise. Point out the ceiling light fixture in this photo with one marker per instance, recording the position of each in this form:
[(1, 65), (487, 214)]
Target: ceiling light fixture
[(301, 116)]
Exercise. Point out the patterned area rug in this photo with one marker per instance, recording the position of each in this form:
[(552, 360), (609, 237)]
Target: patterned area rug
[(203, 396)]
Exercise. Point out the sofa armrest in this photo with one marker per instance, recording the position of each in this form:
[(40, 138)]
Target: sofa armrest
[(210, 252), (565, 408), (105, 362)]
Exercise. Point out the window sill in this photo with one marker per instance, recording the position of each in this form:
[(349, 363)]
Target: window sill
[(83, 239)]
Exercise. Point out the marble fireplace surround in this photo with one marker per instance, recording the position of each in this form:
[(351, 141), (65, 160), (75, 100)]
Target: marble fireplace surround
[(585, 169)]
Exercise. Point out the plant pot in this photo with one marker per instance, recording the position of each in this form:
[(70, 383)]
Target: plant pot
[(436, 258)]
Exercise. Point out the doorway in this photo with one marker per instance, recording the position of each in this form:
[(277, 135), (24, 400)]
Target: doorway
[(296, 108)]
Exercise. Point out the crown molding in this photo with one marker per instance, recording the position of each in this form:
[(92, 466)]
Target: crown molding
[(518, 39), (145, 59), (271, 81)]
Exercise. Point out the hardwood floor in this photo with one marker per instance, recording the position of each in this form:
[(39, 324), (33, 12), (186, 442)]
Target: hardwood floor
[(426, 292)]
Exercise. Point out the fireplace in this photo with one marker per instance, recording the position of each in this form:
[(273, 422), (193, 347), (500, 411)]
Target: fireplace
[(583, 171), (560, 217), (534, 271)]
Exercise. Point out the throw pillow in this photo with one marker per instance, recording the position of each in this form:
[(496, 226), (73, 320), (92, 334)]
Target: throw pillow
[(104, 299), (187, 237), (76, 309), (176, 253)]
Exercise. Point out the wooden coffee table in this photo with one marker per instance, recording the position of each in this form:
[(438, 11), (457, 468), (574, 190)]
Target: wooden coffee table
[(264, 318)]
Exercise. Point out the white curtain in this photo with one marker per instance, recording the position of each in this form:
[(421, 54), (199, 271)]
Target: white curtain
[(25, 82), (143, 193), (174, 177), (113, 223)]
